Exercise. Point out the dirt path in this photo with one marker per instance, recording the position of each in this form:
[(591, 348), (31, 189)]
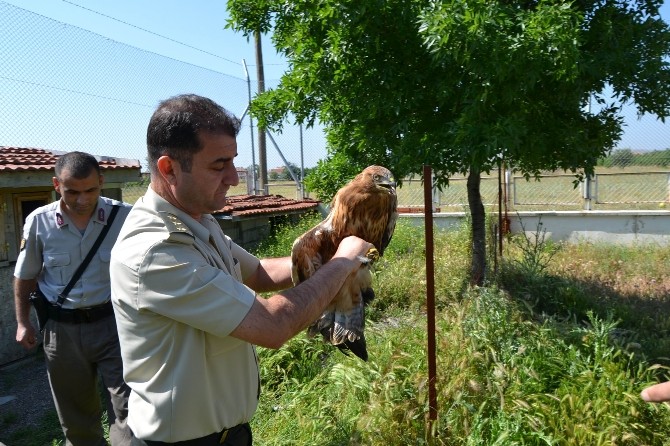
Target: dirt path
[(25, 396)]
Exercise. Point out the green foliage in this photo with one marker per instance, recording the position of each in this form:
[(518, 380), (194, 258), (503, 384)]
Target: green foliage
[(626, 157), (250, 16), (330, 175), (537, 251), (454, 84), (460, 85), (299, 361), (509, 372), (606, 280)]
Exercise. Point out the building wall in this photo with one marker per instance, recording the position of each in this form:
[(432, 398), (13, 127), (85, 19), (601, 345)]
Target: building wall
[(617, 227), (9, 349), (247, 233)]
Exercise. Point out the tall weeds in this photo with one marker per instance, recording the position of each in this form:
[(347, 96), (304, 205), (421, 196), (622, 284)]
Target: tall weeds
[(536, 360)]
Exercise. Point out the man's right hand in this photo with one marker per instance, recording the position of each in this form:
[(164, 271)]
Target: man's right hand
[(353, 248), (26, 335)]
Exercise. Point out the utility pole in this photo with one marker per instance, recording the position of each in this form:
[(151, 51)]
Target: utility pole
[(262, 155)]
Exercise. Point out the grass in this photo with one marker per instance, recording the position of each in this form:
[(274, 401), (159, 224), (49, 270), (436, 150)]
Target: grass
[(553, 351), (47, 432)]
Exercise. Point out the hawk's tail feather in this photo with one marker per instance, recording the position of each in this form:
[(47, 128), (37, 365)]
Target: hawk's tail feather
[(344, 329), (323, 325), (357, 347), (368, 295)]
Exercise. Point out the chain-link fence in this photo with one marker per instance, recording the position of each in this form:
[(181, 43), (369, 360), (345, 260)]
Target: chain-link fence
[(65, 88), (645, 187)]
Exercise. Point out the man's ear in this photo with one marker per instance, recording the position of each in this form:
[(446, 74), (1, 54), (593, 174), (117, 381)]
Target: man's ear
[(56, 183), (101, 178), (168, 169)]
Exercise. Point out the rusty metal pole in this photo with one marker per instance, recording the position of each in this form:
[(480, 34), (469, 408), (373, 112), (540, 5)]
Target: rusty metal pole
[(430, 291)]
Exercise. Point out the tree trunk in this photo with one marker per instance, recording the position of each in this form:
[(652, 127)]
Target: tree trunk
[(478, 264)]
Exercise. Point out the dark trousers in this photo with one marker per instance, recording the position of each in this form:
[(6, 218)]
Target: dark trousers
[(75, 354), (239, 435)]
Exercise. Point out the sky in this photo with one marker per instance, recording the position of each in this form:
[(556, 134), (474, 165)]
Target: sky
[(194, 31), (191, 31)]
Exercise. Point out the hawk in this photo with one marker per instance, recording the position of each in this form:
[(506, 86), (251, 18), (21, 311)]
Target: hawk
[(366, 207)]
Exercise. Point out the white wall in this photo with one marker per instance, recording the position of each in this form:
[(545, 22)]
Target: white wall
[(620, 227)]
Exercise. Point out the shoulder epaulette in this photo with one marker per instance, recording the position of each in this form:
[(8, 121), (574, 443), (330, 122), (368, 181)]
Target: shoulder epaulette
[(178, 231)]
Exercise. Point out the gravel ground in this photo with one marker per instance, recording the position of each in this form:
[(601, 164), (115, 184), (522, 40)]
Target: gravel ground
[(25, 396)]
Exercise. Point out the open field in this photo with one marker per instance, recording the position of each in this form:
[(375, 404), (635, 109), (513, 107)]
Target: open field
[(611, 189)]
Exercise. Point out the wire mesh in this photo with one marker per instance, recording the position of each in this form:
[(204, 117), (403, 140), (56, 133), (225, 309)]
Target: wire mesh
[(65, 88)]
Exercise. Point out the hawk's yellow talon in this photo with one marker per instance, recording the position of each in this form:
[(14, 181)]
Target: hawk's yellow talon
[(372, 254)]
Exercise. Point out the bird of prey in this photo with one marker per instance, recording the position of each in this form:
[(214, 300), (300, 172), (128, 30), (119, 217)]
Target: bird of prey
[(366, 207)]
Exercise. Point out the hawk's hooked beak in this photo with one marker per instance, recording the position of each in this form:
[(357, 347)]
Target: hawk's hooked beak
[(388, 183)]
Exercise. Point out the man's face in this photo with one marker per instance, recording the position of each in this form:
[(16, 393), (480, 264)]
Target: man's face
[(80, 196), (204, 188)]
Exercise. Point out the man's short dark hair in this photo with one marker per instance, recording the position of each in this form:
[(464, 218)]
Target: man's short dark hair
[(175, 126), (78, 164)]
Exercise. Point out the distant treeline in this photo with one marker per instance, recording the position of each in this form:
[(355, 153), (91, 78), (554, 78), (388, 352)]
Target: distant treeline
[(626, 157)]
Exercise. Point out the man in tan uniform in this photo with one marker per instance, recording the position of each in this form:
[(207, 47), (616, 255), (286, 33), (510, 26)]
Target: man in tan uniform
[(184, 293)]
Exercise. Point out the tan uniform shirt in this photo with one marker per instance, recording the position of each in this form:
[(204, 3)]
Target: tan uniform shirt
[(177, 292)]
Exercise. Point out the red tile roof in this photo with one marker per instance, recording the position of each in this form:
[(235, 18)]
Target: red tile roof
[(246, 205), (23, 159)]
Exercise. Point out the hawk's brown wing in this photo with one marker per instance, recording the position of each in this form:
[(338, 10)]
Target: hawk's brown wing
[(366, 207)]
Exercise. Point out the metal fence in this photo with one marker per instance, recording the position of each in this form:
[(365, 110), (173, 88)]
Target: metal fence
[(609, 189), (65, 88)]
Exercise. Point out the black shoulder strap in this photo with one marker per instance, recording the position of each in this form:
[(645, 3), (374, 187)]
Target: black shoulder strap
[(89, 256)]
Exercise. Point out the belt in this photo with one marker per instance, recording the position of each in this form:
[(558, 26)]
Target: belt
[(240, 435), (80, 315)]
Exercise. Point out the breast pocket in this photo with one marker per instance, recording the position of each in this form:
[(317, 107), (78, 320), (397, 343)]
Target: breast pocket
[(104, 255), (57, 265)]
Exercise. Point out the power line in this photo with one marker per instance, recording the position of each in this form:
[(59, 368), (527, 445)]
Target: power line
[(53, 87), (151, 32)]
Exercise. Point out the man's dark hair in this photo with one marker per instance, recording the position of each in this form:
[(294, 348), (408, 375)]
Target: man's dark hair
[(78, 164), (175, 126)]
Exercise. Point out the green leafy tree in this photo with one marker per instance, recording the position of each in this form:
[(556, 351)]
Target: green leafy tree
[(329, 175), (463, 85), (286, 175)]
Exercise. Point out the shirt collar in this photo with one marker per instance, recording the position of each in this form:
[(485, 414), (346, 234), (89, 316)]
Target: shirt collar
[(100, 215), (162, 205)]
